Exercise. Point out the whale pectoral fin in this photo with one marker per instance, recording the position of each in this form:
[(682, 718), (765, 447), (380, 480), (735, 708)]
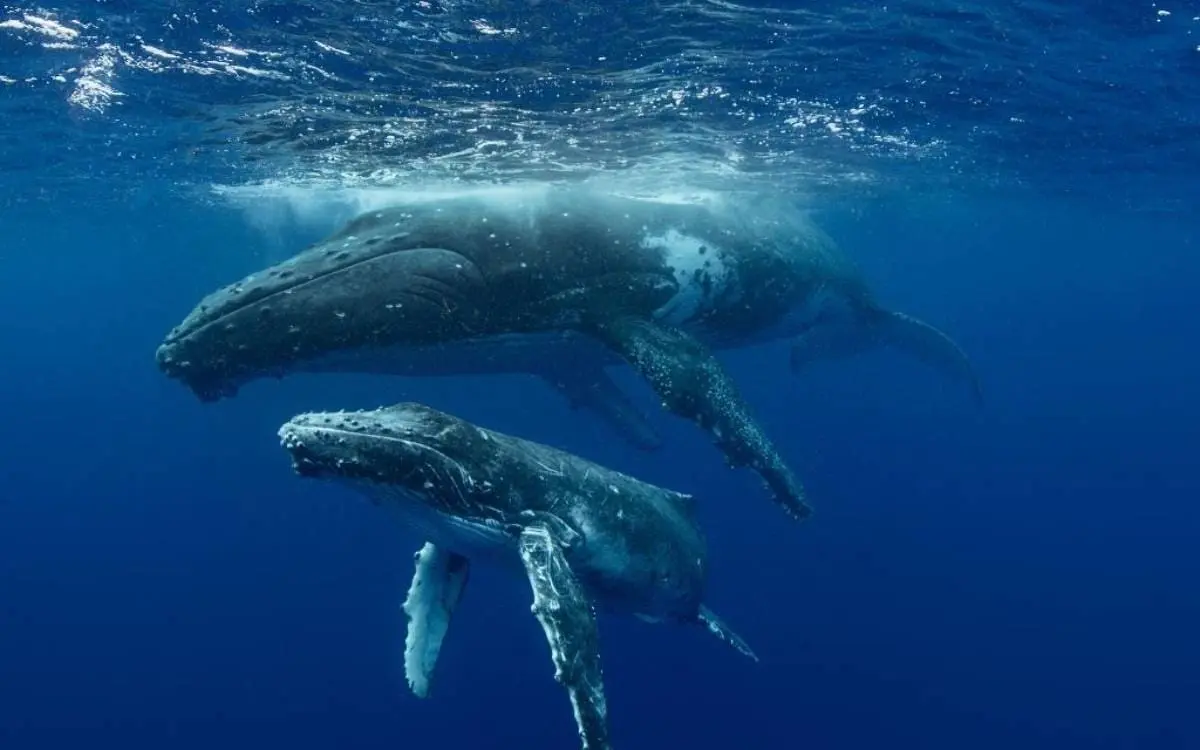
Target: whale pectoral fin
[(592, 389), (566, 616), (886, 328), (693, 385), (437, 586), (717, 627)]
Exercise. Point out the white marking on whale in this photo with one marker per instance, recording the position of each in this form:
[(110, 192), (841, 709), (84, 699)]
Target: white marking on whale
[(699, 271)]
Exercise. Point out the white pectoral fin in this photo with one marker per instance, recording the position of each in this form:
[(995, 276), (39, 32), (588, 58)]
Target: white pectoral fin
[(845, 338), (437, 586), (566, 617)]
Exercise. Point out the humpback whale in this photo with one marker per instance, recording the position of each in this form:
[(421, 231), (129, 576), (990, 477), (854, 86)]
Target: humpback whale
[(559, 282), (585, 536)]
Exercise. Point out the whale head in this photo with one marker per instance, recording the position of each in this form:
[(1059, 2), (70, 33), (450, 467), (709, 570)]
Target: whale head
[(408, 452), (365, 286)]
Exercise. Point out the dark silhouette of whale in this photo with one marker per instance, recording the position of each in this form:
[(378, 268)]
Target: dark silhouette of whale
[(559, 282), (584, 535)]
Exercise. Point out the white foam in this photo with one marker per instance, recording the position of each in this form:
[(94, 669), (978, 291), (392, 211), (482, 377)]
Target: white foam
[(323, 203), (46, 26), (93, 89), (275, 205)]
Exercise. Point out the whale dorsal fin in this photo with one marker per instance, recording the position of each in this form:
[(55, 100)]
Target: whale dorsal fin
[(437, 586)]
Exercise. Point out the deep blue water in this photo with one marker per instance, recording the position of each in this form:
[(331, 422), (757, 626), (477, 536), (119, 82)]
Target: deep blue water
[(1021, 576)]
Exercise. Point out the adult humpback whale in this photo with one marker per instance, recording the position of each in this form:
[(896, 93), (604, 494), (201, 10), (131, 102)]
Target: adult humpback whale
[(559, 282), (584, 535)]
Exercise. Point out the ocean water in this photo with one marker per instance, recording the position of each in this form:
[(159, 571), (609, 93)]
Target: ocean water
[(1023, 175)]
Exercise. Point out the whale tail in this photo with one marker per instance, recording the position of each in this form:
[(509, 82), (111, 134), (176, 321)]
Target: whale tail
[(840, 339)]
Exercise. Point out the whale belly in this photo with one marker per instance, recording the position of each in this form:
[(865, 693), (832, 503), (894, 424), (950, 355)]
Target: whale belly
[(473, 538), (486, 355)]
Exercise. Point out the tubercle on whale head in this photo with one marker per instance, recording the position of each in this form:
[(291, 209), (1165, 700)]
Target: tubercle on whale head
[(408, 446)]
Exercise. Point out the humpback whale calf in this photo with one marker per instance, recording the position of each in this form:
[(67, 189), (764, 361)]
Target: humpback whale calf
[(560, 282), (585, 536)]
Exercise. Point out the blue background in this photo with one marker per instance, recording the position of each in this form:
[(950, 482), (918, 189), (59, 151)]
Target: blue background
[(1021, 576)]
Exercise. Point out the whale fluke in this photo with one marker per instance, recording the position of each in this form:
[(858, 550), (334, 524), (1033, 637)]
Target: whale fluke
[(918, 339)]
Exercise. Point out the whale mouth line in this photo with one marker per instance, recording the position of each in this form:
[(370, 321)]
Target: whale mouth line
[(291, 428), (246, 302)]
